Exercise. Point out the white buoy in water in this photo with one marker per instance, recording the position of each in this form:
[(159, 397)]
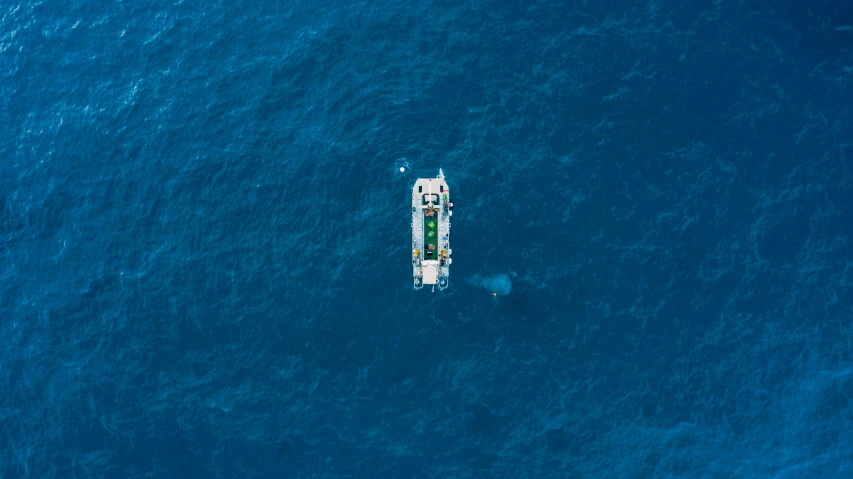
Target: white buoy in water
[(402, 169)]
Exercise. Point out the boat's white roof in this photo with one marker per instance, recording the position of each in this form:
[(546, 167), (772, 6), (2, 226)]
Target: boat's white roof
[(430, 274)]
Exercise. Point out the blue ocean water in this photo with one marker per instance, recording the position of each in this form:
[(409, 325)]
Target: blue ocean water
[(204, 241)]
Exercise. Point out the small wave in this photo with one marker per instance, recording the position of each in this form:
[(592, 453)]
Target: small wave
[(401, 162)]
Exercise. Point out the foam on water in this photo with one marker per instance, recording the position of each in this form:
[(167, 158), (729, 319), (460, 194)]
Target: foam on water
[(499, 283)]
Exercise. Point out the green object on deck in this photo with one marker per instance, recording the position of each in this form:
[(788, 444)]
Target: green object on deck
[(430, 238)]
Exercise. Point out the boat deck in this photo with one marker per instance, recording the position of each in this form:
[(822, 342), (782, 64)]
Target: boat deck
[(430, 232)]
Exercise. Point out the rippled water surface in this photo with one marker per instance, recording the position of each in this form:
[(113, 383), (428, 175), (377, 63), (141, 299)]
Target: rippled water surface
[(204, 240)]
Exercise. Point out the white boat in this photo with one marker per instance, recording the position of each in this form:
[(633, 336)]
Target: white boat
[(431, 212)]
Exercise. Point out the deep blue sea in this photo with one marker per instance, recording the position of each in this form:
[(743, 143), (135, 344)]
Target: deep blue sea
[(205, 239)]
